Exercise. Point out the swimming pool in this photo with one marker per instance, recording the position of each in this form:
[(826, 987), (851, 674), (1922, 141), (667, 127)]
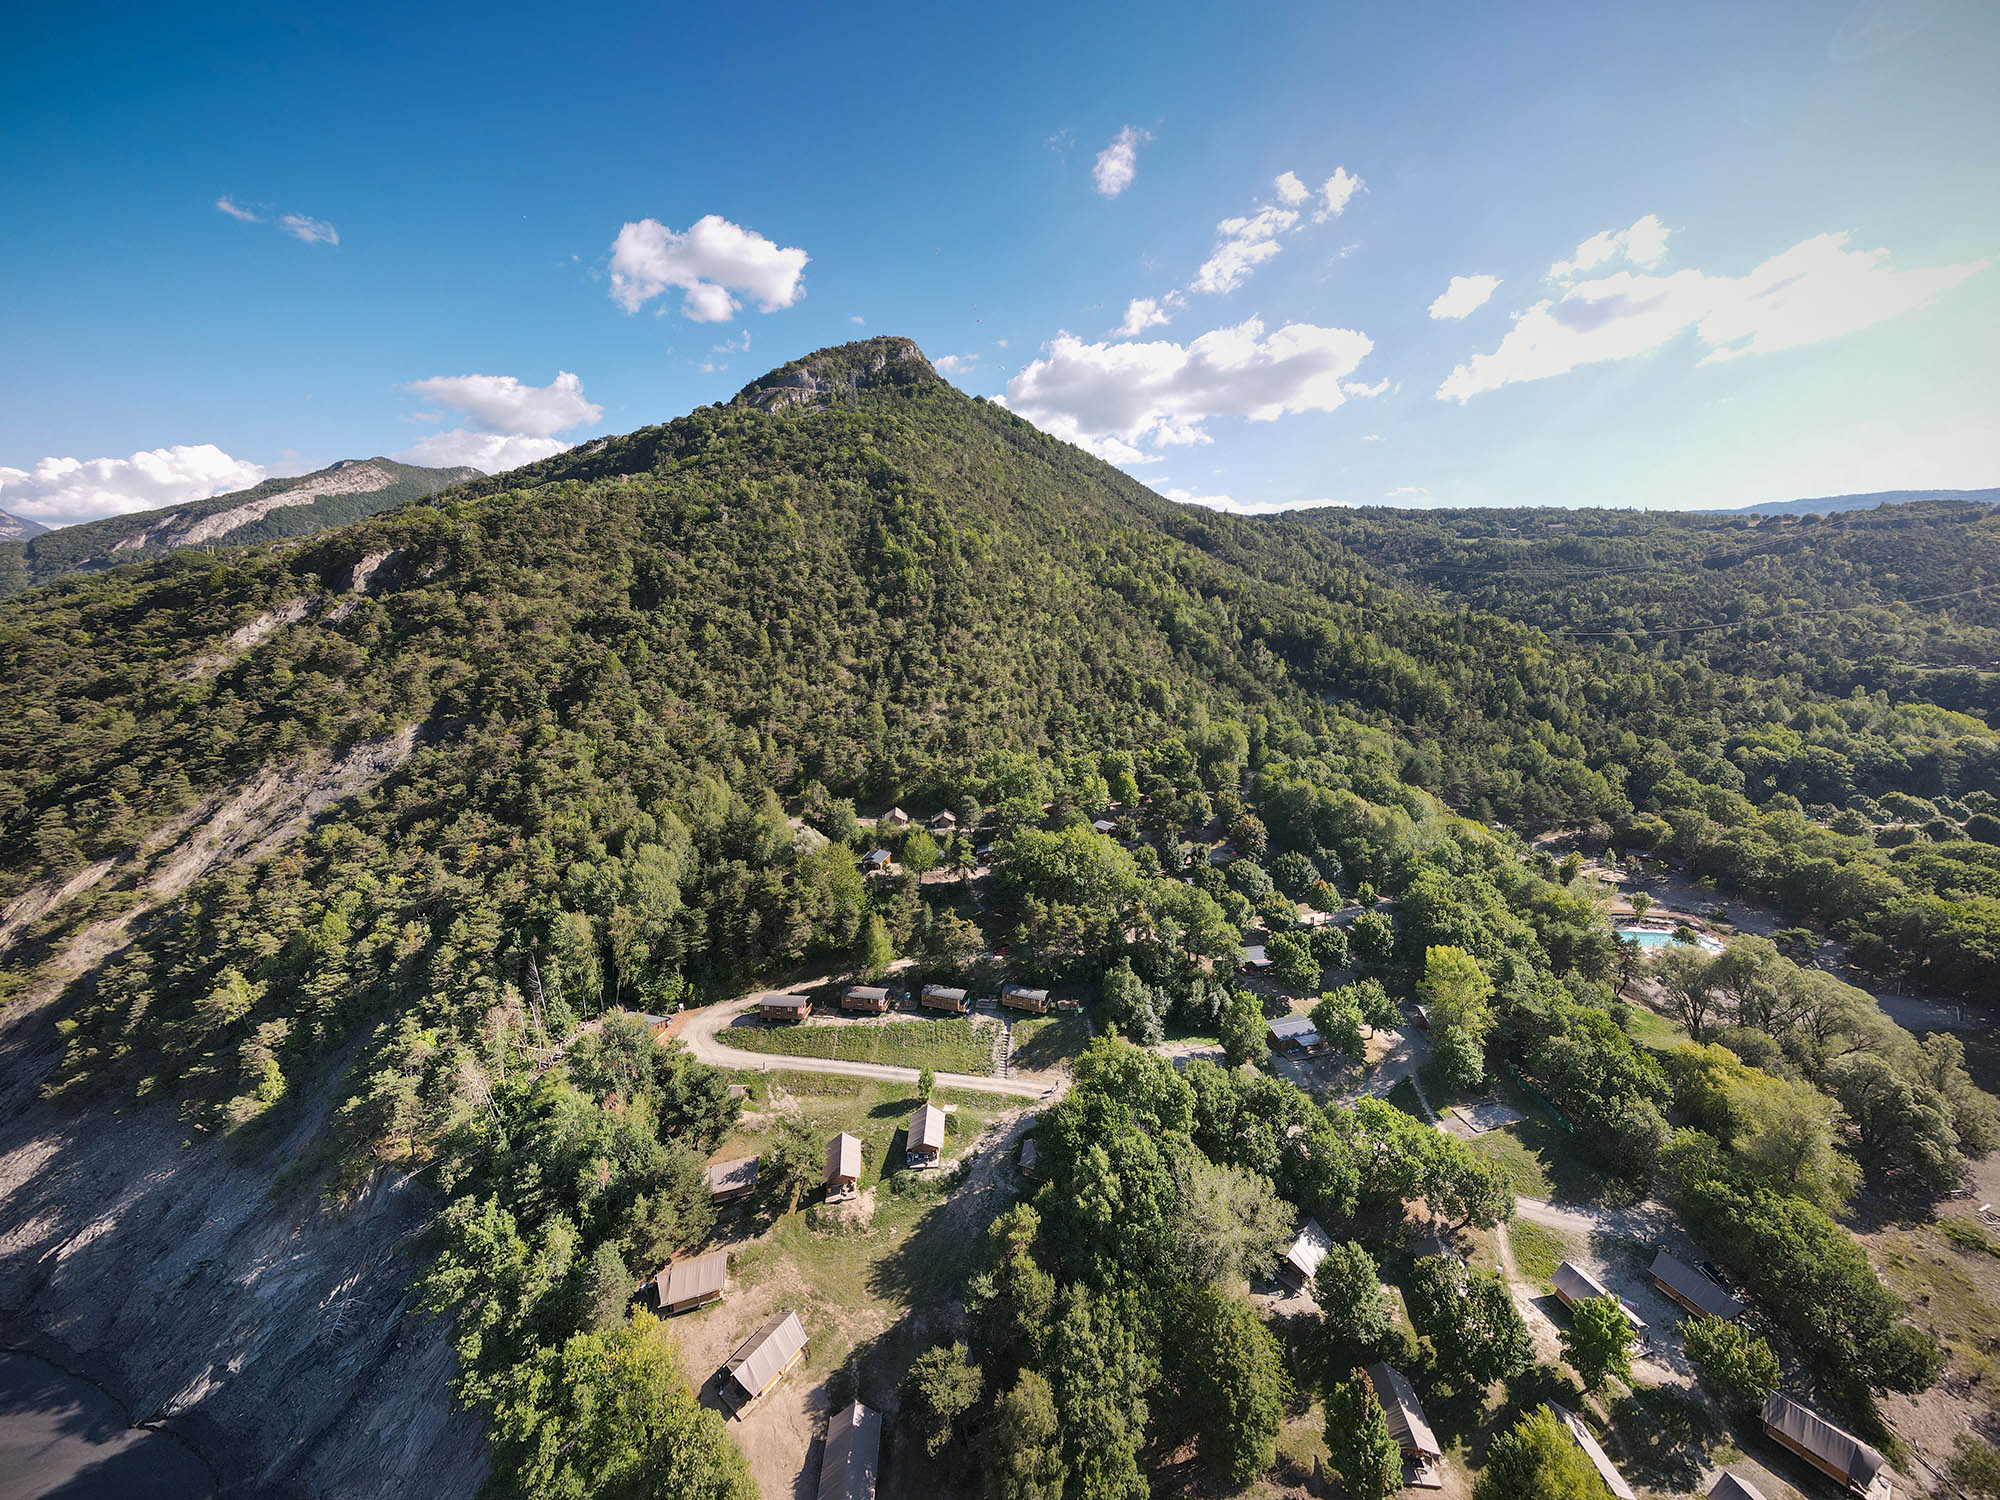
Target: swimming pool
[(1653, 937)]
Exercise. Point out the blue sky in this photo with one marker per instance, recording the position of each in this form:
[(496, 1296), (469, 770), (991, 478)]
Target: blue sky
[(1742, 252)]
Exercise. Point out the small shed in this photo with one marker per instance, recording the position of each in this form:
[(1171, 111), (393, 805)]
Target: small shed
[(1105, 825), (764, 1359), (1030, 1158), (843, 1165), (730, 1180), (1837, 1454), (1253, 959), (876, 859), (1301, 1262), (1295, 1036), (943, 822), (852, 1462), (1018, 997), (692, 1281), (1592, 1450), (944, 997), (895, 817), (924, 1136), (864, 997), (1728, 1487), (1408, 1426), (1685, 1285), (785, 1007), (1574, 1284)]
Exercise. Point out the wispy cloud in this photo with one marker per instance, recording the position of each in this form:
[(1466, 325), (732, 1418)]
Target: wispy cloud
[(312, 231), (236, 210)]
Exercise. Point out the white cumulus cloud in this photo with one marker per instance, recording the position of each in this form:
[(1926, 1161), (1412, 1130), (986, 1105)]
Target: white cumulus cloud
[(1465, 295), (709, 264), (502, 404), (1118, 163), (1816, 290), (1112, 397), (63, 491), (488, 452), (306, 227), (955, 364), (1334, 194), (1142, 313), (1291, 190), (1241, 245), (1644, 244)]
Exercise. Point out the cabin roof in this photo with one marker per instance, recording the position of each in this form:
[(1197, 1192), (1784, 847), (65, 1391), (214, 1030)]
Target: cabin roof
[(763, 1356), (843, 1156), (866, 992), (926, 1127), (1695, 1287), (1819, 1437), (733, 1176), (696, 1276), (1309, 1249), (785, 1002), (1407, 1423), (852, 1462), (1295, 1029), (1728, 1487), (943, 992)]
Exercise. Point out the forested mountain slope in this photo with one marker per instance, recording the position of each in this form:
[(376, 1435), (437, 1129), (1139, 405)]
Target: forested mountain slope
[(268, 512), (570, 709), (18, 528)]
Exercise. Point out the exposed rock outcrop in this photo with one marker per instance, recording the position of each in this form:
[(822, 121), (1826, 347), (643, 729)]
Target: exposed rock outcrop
[(834, 374)]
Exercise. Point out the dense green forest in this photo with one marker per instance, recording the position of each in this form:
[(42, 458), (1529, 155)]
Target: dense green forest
[(642, 671), (94, 545)]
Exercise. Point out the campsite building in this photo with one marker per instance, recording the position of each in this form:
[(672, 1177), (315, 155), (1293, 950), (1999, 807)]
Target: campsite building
[(1408, 1426), (876, 861), (943, 822), (785, 1007), (1301, 1262), (1728, 1487), (1296, 1036), (843, 1166), (864, 997), (945, 997), (1105, 826), (1838, 1455), (1019, 997), (1254, 959), (692, 1281), (895, 817), (852, 1462), (1574, 1285), (1592, 1450), (764, 1359), (1682, 1283), (730, 1180), (924, 1136)]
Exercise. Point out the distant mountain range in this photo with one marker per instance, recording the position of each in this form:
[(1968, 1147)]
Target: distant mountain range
[(1831, 504), (18, 528), (272, 511)]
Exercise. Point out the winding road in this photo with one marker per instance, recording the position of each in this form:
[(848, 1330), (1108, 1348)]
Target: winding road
[(699, 1028)]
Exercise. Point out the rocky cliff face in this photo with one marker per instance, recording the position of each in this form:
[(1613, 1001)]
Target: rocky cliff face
[(272, 1332), (833, 374)]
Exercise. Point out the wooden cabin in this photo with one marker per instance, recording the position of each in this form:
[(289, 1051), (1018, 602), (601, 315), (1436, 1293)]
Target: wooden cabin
[(1253, 958), (1594, 1451), (763, 1359), (785, 1007), (852, 1463), (944, 997), (1301, 1262), (1030, 1158), (924, 1136), (843, 1166), (1839, 1455), (1018, 997), (895, 817), (1408, 1425), (730, 1180), (1574, 1284), (1683, 1284), (870, 997), (943, 823), (1295, 1036), (692, 1281)]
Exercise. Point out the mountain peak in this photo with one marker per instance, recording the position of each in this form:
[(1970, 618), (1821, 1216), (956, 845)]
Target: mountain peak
[(828, 375)]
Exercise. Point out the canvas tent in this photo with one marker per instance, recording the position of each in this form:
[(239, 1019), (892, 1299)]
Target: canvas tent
[(1574, 1284), (1837, 1454), (688, 1283), (1728, 1487), (849, 1468), (733, 1179), (1599, 1459), (1308, 1250), (764, 1358), (1685, 1285), (1407, 1423)]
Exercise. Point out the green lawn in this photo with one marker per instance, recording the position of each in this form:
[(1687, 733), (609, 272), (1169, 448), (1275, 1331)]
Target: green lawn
[(1537, 1250), (1048, 1041), (945, 1046)]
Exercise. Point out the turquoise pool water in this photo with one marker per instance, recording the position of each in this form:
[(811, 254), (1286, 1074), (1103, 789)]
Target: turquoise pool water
[(1652, 937)]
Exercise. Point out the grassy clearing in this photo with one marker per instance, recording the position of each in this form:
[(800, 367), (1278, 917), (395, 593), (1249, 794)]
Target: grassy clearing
[(945, 1046), (1955, 1291), (1537, 1251), (1049, 1041)]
